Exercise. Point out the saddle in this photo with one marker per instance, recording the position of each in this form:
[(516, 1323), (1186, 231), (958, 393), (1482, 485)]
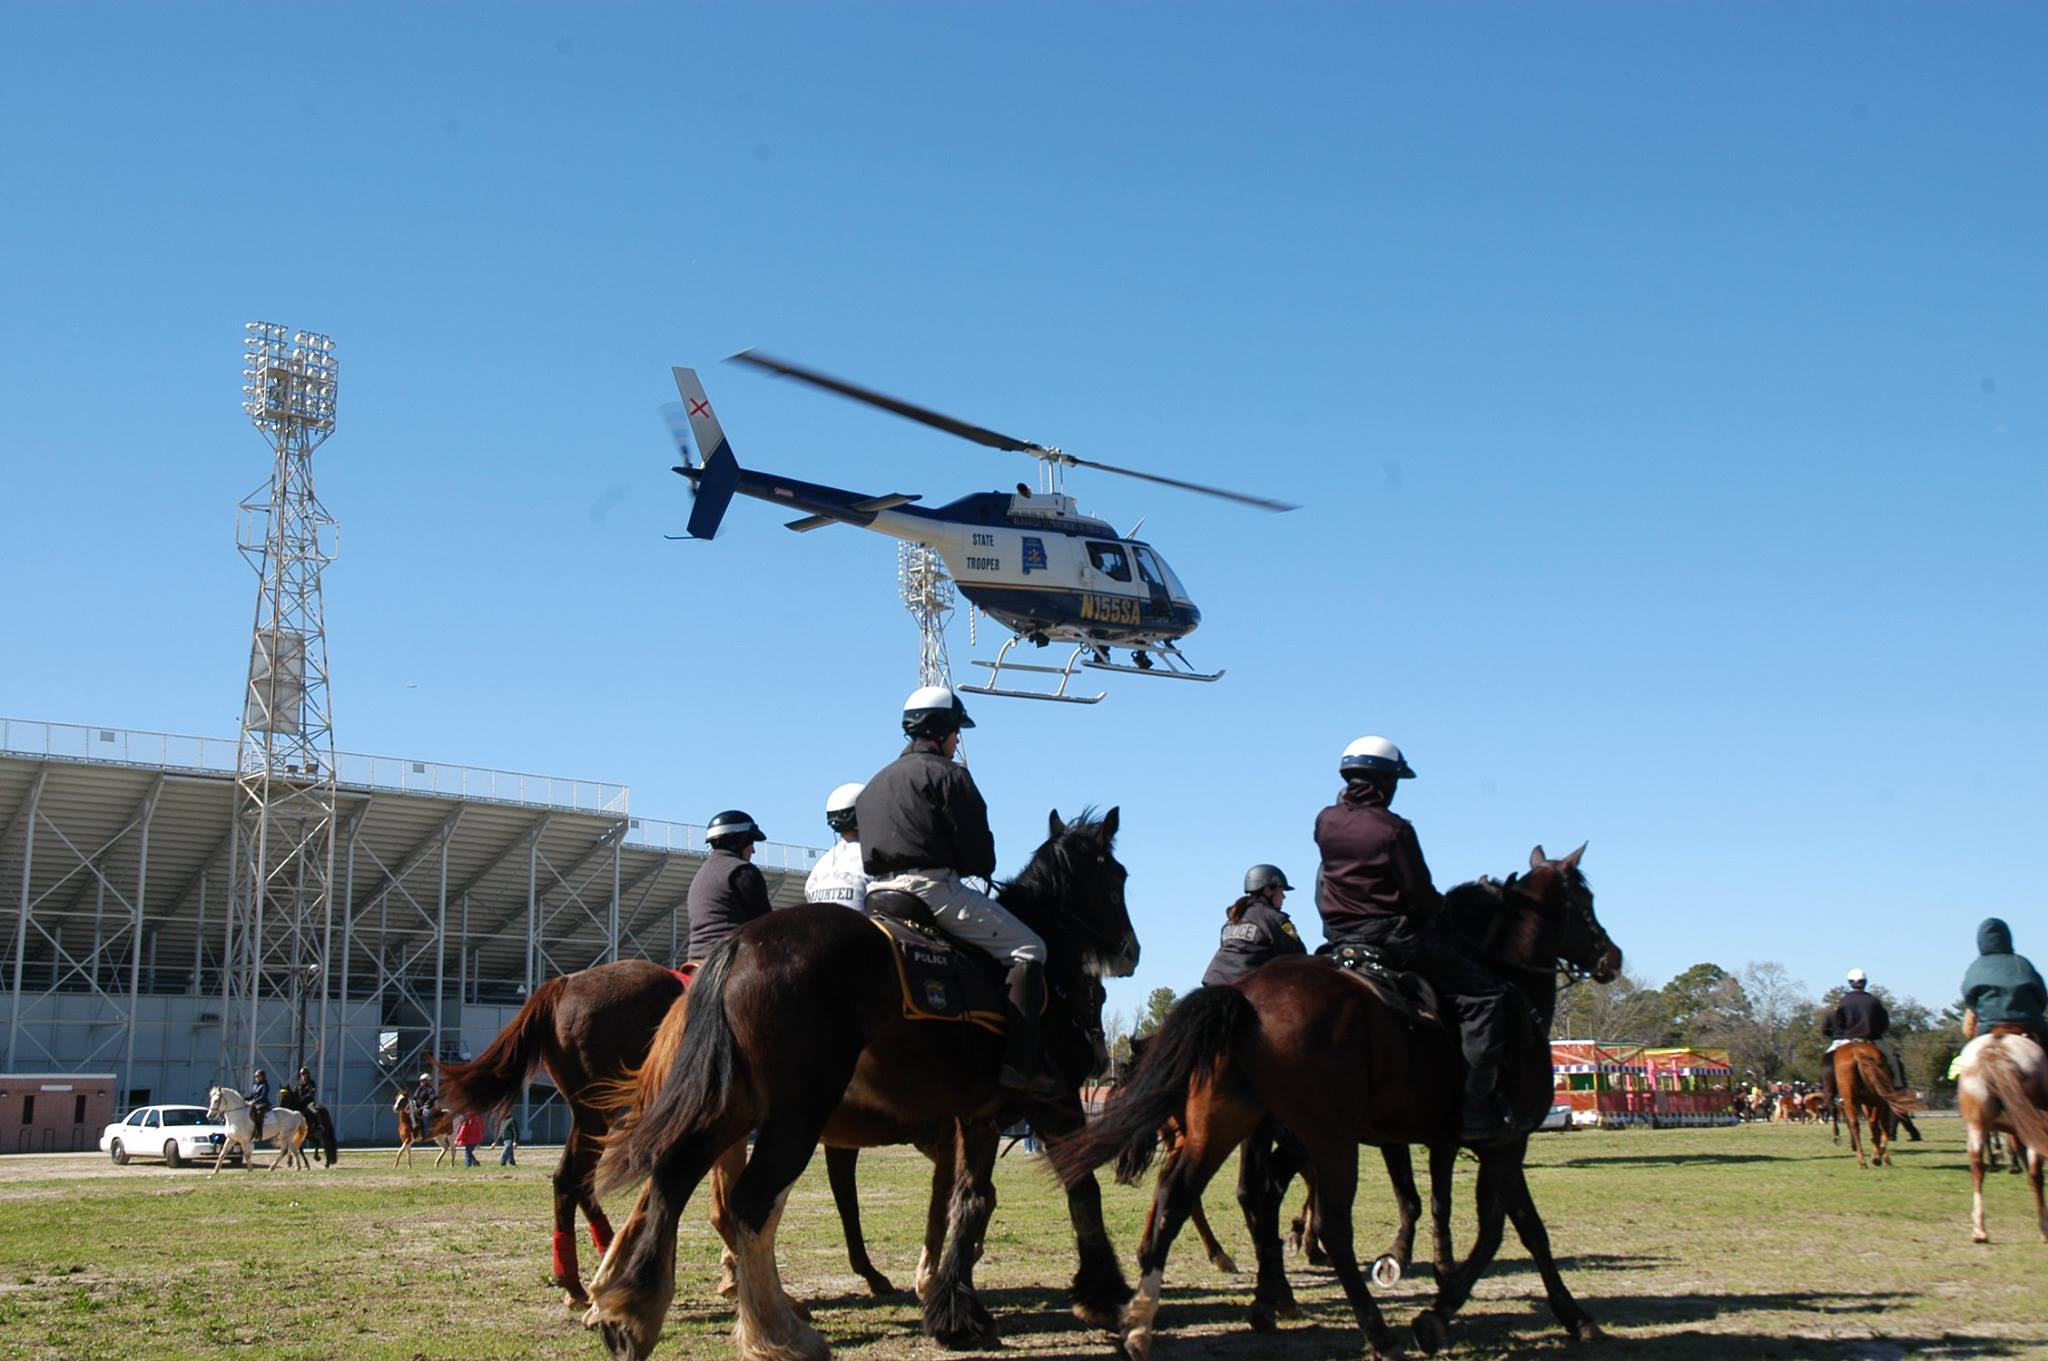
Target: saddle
[(940, 980), (1406, 993)]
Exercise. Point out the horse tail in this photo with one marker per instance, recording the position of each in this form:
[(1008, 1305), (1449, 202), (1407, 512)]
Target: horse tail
[(695, 1089), (1876, 1075), (2002, 1075), (1195, 1035), (489, 1083)]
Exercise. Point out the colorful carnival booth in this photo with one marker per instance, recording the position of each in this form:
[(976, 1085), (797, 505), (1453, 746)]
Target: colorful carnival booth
[(1616, 1086)]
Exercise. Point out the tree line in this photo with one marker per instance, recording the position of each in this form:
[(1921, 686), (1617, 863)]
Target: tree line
[(1766, 1020)]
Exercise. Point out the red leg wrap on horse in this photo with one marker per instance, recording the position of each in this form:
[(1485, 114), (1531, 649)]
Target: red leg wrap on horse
[(600, 1231), (565, 1256)]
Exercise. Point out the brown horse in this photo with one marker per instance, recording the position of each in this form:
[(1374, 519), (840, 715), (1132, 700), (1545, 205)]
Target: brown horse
[(1863, 1084), (440, 1128), (797, 1031), (2002, 1086), (1315, 1049)]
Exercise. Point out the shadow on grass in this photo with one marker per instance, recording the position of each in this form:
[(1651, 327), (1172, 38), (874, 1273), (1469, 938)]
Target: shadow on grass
[(1672, 1159)]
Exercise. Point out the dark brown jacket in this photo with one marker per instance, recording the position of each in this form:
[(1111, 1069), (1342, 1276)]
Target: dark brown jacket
[(1372, 863)]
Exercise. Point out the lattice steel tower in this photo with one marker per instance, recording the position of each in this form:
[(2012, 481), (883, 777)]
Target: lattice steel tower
[(928, 594), (280, 904)]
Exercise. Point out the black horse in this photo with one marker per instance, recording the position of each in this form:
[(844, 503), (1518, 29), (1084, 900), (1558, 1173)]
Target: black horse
[(796, 1029), (319, 1124)]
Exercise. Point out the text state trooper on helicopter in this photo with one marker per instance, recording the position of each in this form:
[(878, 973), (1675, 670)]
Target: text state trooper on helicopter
[(839, 877)]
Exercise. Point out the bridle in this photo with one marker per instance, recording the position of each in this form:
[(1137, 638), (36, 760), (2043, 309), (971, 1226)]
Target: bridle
[(1579, 900)]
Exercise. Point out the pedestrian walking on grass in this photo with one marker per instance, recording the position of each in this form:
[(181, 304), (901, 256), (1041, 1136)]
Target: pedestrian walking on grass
[(469, 1132), (509, 1137)]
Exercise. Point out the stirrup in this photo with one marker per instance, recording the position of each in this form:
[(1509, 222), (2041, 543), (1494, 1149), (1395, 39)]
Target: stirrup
[(1042, 1084)]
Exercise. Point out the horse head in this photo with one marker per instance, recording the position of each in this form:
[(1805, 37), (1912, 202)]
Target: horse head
[(1072, 894), (1538, 920), (1583, 946)]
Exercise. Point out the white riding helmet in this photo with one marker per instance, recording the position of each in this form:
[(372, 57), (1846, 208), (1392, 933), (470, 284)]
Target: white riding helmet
[(1858, 976), (426, 1077), (1375, 755), (839, 807), (934, 710)]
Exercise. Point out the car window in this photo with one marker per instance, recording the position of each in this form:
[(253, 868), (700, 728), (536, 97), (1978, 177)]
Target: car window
[(149, 1121), (184, 1115), (132, 1118)]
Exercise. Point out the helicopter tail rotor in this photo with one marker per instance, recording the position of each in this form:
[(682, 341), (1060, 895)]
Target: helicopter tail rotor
[(716, 480)]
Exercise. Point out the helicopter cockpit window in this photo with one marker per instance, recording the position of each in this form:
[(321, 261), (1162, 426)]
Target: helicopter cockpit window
[(1155, 569), (1110, 560), (1148, 567)]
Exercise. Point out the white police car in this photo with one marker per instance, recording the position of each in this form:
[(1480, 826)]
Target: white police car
[(177, 1134)]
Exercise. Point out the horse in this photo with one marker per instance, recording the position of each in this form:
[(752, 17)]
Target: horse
[(2002, 1086), (288, 1127), (1317, 1050), (440, 1128), (1863, 1085), (319, 1125), (592, 1031), (796, 1030)]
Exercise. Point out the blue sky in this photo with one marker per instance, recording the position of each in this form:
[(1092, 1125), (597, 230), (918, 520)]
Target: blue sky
[(1664, 386)]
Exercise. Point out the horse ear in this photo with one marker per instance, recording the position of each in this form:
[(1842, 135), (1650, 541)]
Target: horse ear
[(1109, 820), (1537, 859), (1053, 824), (1571, 862)]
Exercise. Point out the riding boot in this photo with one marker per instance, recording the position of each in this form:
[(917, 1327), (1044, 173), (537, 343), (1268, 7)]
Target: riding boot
[(1024, 1067), (1485, 1116)]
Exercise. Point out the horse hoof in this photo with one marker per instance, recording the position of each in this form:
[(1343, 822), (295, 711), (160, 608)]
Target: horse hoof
[(1224, 1263), (1099, 1316), (1980, 1238), (1262, 1318), (880, 1286), (1386, 1271), (575, 1299), (1430, 1333), (1585, 1330), (1287, 1307), (727, 1286)]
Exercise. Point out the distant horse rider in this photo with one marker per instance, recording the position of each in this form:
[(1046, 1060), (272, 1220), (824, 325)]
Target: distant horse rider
[(304, 1090), (423, 1098), (1255, 930), (2002, 987), (923, 828), (728, 891), (259, 1101), (1376, 893), (839, 876), (1860, 1015)]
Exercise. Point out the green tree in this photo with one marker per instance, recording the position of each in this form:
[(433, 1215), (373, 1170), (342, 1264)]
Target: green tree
[(1157, 1003), (1689, 999), (1621, 1012)]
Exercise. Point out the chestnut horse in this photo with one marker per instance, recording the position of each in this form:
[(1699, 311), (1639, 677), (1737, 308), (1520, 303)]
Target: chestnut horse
[(1863, 1085), (440, 1128), (2002, 1085), (796, 1030), (1315, 1049)]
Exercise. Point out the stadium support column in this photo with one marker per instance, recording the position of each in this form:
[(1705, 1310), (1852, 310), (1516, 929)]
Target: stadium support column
[(135, 943), (28, 860), (281, 870)]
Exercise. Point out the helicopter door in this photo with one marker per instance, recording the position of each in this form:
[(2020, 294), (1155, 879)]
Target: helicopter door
[(1154, 574)]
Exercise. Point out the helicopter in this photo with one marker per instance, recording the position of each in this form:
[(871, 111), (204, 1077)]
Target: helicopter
[(1028, 560)]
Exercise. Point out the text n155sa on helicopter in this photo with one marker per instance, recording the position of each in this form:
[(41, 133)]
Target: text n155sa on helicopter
[(1028, 559)]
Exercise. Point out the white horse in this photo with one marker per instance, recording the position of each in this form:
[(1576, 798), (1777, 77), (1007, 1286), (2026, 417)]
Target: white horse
[(2002, 1086), (287, 1127)]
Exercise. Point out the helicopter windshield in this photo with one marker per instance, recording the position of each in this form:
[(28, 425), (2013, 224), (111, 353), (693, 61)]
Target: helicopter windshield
[(1154, 568)]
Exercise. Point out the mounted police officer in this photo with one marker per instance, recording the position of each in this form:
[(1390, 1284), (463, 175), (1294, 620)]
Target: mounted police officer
[(2002, 986), (728, 891), (923, 828), (1376, 893), (259, 1101), (423, 1098), (305, 1089), (839, 876), (1860, 1015), (1256, 930)]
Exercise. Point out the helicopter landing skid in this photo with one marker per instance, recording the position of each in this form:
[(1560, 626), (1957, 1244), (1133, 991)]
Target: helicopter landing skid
[(1058, 694), (1177, 667)]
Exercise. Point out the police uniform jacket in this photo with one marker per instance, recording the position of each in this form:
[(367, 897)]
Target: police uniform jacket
[(1372, 864), (1858, 1016), (922, 812), (838, 878), (1261, 933), (726, 894), (259, 1092)]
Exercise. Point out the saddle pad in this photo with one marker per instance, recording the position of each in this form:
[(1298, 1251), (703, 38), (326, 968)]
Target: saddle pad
[(940, 981), (1407, 994)]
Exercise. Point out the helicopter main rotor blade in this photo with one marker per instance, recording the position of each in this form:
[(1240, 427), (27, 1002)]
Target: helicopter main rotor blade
[(909, 410), (1242, 498)]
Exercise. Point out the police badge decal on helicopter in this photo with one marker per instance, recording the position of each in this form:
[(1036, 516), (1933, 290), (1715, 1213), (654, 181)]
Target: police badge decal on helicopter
[(1071, 580)]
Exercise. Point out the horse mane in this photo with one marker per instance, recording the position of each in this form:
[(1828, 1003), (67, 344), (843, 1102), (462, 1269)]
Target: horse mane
[(1050, 877)]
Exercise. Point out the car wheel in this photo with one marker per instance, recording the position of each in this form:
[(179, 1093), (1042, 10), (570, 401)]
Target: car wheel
[(118, 1154), (172, 1156)]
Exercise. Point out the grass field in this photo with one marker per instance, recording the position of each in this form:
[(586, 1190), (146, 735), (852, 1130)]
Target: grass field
[(1685, 1244)]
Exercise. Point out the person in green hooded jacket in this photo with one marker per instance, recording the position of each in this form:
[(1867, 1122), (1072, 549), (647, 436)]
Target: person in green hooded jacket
[(2002, 988)]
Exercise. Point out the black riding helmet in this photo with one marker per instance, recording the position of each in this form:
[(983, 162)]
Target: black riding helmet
[(1259, 878), (732, 828)]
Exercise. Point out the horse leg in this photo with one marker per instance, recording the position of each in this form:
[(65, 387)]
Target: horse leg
[(1536, 1238), (724, 1173), (1973, 1135), (1432, 1324), (1388, 1267), (945, 1155), (571, 1182), (1213, 1125), (1443, 1167), (769, 1329), (840, 1165), (953, 1312), (1263, 1171), (633, 1286), (2035, 1168), (1336, 1189), (1218, 1258), (1099, 1290)]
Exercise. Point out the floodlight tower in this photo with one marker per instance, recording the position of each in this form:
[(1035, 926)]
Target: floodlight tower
[(281, 874), (928, 594)]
